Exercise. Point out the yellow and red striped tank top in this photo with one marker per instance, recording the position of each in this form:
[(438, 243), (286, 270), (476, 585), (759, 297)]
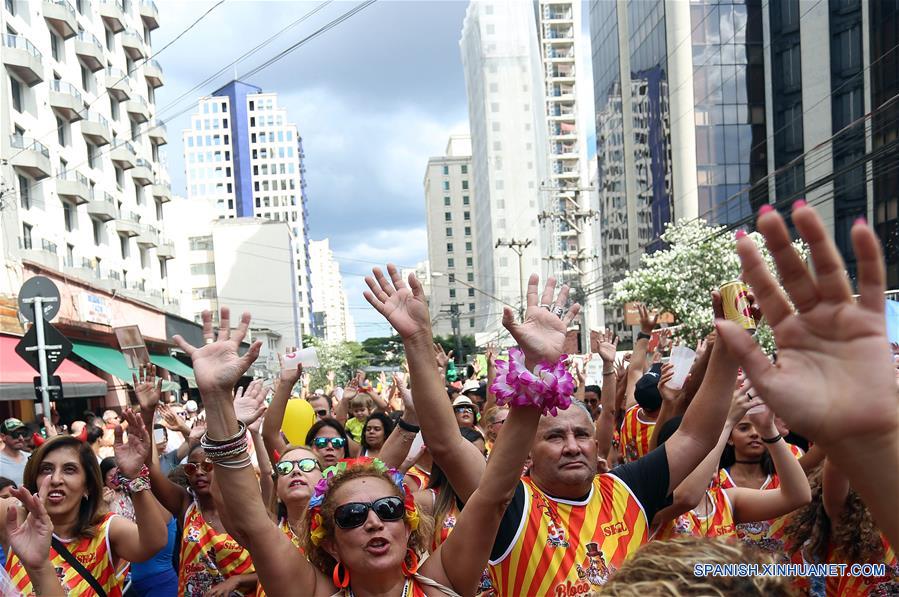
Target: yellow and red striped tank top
[(571, 548), (767, 535), (94, 554), (865, 586), (207, 557), (635, 435), (718, 523), (284, 527), (420, 476)]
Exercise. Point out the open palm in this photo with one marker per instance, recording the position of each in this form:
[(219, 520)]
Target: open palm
[(147, 387), (405, 307), (31, 538), (605, 344), (131, 455), (541, 336)]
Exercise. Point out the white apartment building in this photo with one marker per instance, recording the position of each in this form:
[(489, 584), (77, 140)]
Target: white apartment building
[(242, 154), (507, 121), (452, 245), (329, 302), (82, 184)]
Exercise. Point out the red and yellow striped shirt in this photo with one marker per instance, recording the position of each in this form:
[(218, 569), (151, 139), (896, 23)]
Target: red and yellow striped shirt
[(635, 434), (865, 586), (207, 557), (93, 553), (420, 476), (718, 523), (571, 548)]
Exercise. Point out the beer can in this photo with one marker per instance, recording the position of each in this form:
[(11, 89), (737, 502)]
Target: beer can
[(735, 300)]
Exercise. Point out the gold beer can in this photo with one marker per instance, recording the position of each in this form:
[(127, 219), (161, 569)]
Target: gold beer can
[(735, 300)]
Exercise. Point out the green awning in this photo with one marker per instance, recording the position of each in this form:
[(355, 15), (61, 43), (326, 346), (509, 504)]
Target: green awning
[(173, 365), (108, 359)]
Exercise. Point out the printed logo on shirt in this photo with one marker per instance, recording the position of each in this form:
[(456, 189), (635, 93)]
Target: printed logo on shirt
[(554, 529)]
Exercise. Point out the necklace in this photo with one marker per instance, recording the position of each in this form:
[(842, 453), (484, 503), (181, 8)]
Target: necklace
[(349, 592)]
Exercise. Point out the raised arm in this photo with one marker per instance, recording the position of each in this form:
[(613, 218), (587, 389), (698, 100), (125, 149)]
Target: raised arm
[(606, 345), (835, 492), (834, 380), (30, 539), (460, 560), (671, 401), (407, 311), (218, 367), (271, 425)]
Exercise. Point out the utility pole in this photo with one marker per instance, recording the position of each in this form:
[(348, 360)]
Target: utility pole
[(457, 328), (518, 246)]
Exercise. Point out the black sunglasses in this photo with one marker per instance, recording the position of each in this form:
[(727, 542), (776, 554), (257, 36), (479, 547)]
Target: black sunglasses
[(18, 433), (307, 465), (354, 514), (321, 413), (336, 442)]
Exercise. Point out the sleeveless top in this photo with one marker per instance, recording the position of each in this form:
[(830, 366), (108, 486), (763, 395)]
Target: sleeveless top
[(570, 548), (635, 435), (284, 527), (93, 553), (412, 588), (865, 586), (718, 523), (419, 475), (207, 557), (767, 535)]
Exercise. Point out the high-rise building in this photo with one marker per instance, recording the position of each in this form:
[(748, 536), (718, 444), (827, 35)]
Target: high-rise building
[(507, 120), (329, 303), (452, 243), (81, 180), (242, 154)]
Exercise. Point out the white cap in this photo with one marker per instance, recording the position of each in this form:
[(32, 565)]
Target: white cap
[(472, 385), (190, 406)]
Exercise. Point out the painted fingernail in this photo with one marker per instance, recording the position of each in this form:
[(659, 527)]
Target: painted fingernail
[(766, 208), (861, 220), (798, 203), (740, 234)]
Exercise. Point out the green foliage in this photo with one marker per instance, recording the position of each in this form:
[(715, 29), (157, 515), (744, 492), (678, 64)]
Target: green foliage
[(449, 343), (679, 279), (343, 358), (384, 351)]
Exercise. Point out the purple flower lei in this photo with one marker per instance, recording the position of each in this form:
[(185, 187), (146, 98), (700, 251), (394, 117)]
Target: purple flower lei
[(549, 387)]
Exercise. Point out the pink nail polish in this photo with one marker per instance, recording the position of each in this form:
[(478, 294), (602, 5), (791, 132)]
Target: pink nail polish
[(766, 208), (861, 220), (740, 234), (798, 203)]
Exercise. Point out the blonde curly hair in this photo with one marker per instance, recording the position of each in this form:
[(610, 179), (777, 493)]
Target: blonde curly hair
[(665, 569), (320, 558)]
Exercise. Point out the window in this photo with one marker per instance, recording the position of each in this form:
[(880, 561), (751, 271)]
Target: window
[(466, 216), (471, 292), (26, 236), (139, 194), (98, 232), (16, 89), (448, 217), (446, 201), (452, 278), (452, 293), (163, 270), (24, 193), (200, 243), (464, 185), (144, 259), (158, 209), (471, 322), (469, 261), (110, 40), (11, 6), (449, 231), (445, 185), (464, 169), (69, 216), (465, 200), (61, 131), (446, 170), (468, 245), (202, 269), (70, 256), (56, 47), (449, 247), (203, 293), (114, 108), (125, 246), (450, 262), (468, 231), (792, 69), (470, 277), (91, 155)]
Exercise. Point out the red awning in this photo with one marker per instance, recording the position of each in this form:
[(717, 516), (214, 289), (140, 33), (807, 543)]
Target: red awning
[(17, 376)]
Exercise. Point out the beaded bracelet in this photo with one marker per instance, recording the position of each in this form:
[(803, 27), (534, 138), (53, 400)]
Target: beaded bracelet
[(548, 388), (223, 449), (241, 432), (139, 483)]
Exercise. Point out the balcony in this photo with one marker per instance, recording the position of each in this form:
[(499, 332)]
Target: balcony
[(73, 185), (142, 173), (153, 73), (66, 100), (148, 237), (30, 156), (102, 209), (556, 15), (165, 249), (60, 16), (158, 134), (23, 59), (137, 109), (123, 155), (112, 14), (46, 255), (133, 45), (150, 14), (89, 51), (128, 224), (162, 191), (95, 129), (118, 84), (109, 280)]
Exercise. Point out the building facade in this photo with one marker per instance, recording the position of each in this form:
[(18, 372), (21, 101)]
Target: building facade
[(83, 187), (507, 120), (331, 310), (243, 155)]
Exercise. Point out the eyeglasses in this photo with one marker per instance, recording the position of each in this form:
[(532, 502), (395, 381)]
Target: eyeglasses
[(191, 468), (18, 434), (500, 422), (321, 413), (354, 514), (285, 467), (336, 442), (464, 408)]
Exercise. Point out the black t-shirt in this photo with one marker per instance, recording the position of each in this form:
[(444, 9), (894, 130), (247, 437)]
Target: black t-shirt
[(646, 477)]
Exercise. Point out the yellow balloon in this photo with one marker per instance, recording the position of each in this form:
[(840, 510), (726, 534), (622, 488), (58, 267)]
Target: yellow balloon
[(298, 418)]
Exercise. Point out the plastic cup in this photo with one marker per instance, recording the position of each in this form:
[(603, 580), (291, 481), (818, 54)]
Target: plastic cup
[(307, 356), (682, 358), (417, 443)]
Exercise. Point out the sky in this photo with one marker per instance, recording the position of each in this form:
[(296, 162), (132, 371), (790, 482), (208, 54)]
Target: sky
[(373, 98)]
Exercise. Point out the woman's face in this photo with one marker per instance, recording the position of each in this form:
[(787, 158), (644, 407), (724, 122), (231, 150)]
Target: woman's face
[(746, 440), (68, 481), (374, 434), (198, 477), (296, 486), (464, 415), (110, 478), (327, 455), (375, 545)]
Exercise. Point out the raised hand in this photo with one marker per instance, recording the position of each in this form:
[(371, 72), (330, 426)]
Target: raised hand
[(668, 393), (648, 319), (405, 307), (742, 401), (443, 358), (217, 364), (131, 455), (288, 375), (605, 344), (330, 377), (147, 387), (197, 431), (30, 539), (250, 405), (541, 336)]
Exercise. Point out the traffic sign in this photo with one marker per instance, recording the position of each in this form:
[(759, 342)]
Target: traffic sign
[(44, 288), (54, 384), (58, 348)]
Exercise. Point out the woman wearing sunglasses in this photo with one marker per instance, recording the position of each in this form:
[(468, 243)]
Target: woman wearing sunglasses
[(329, 442)]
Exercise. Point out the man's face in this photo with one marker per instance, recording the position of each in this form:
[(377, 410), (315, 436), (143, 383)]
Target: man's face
[(17, 439), (564, 453), (321, 407), (591, 399)]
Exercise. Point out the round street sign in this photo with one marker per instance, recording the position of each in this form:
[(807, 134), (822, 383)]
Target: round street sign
[(44, 288)]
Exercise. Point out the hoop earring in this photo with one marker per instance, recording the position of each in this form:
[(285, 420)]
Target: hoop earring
[(341, 581), (412, 568)]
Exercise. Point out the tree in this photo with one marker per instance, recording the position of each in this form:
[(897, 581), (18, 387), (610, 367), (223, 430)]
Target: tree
[(449, 343), (343, 358), (699, 259), (384, 351)]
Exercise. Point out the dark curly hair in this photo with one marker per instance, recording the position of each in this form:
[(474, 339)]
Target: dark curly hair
[(386, 422)]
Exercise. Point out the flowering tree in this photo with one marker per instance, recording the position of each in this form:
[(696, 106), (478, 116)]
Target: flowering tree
[(700, 258)]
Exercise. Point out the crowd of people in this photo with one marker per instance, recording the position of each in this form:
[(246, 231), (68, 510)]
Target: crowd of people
[(761, 475)]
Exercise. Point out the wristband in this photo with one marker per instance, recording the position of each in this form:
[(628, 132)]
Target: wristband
[(609, 372), (406, 426), (773, 440), (139, 483), (641, 335)]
